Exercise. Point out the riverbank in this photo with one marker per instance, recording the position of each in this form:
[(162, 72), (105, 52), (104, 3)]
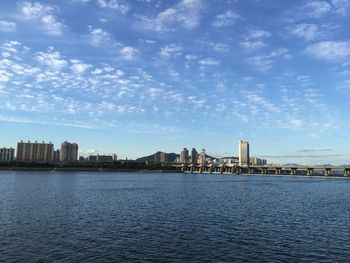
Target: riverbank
[(88, 167), (85, 169)]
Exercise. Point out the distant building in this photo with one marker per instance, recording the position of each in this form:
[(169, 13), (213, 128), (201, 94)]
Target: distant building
[(202, 158), (163, 158), (243, 153), (34, 152), (257, 161), (102, 158), (184, 156), (7, 155), (69, 152), (230, 160), (194, 156), (92, 158), (160, 157), (56, 156)]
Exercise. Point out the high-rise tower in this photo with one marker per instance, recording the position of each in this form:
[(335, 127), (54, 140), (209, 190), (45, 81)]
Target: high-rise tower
[(69, 152), (243, 153)]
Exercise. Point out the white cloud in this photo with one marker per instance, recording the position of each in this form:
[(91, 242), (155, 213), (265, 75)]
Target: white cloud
[(258, 34), (51, 59), (78, 67), (99, 37), (129, 53), (7, 26), (329, 50), (252, 45), (81, 1), (118, 5), (209, 62), (226, 19), (345, 85), (318, 8), (35, 9), (221, 47), (44, 14), (52, 26), (341, 6), (306, 31), (264, 62), (191, 57), (171, 50), (295, 123), (5, 75), (255, 40), (185, 14)]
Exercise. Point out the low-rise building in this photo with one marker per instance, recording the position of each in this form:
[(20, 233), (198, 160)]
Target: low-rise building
[(102, 158)]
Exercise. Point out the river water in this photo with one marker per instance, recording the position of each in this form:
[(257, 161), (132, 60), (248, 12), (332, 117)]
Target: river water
[(153, 217)]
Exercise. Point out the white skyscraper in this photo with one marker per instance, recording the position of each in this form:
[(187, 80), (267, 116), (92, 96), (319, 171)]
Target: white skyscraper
[(243, 153)]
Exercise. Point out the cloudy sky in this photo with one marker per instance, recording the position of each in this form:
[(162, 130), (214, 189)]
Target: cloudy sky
[(134, 77)]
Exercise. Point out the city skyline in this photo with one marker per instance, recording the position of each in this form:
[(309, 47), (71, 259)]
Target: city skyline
[(136, 77)]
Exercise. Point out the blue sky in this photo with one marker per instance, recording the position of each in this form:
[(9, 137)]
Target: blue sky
[(134, 77)]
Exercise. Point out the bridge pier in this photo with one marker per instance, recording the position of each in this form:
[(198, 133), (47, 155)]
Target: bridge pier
[(293, 171), (347, 172), (251, 170), (278, 170), (263, 170), (327, 171), (310, 171)]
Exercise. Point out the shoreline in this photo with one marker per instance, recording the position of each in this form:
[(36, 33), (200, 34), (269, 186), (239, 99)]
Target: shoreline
[(134, 170), (85, 169)]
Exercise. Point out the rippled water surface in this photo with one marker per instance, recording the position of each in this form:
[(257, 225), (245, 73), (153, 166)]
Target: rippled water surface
[(123, 217)]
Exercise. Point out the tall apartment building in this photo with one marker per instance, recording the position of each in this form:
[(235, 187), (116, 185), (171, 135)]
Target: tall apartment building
[(56, 156), (34, 152), (69, 152), (184, 156), (7, 155), (243, 153), (202, 157), (194, 156)]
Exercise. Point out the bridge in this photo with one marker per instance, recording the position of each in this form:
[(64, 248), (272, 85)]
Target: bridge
[(265, 170)]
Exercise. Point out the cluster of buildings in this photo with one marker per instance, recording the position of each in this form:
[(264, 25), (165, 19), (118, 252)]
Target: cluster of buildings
[(195, 158), (99, 158), (243, 159), (42, 152), (39, 152)]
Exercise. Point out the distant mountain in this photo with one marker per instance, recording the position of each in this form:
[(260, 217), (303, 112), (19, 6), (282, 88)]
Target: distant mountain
[(292, 164), (171, 157)]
